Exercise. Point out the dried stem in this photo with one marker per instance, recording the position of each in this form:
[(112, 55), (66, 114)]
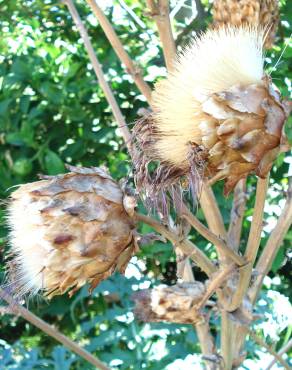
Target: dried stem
[(207, 342), (236, 215), (280, 353), (215, 222), (159, 10), (227, 339), (188, 275), (261, 343), (245, 274), (111, 35), (186, 246), (255, 232), (221, 246), (99, 74), (229, 345), (212, 213), (51, 331), (217, 280), (253, 244), (202, 327), (273, 244)]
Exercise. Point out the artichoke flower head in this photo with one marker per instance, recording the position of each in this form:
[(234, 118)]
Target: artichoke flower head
[(68, 230)]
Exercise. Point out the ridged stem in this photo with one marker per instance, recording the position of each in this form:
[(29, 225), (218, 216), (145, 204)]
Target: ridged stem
[(117, 46), (99, 74)]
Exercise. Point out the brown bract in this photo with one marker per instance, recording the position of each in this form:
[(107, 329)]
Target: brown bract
[(248, 134), (263, 13), (70, 229), (176, 304)]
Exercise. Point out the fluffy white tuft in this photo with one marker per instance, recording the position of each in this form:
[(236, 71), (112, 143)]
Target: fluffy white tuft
[(213, 62), (28, 242)]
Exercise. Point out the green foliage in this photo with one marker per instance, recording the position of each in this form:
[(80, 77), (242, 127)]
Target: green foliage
[(52, 113)]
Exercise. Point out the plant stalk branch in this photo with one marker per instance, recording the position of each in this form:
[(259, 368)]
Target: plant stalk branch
[(221, 246), (273, 244), (216, 282), (211, 211), (256, 227), (186, 246), (261, 343), (253, 244), (227, 339), (51, 331), (207, 342), (236, 215), (99, 74), (280, 353), (133, 70), (159, 10)]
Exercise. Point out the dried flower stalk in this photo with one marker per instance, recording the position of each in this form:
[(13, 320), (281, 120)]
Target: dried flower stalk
[(131, 68), (51, 331)]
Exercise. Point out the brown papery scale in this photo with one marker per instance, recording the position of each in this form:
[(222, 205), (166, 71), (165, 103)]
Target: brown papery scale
[(68, 230)]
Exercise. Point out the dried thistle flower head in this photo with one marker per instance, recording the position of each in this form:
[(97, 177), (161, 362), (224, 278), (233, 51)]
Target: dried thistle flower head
[(68, 230), (263, 13), (216, 116), (175, 303)]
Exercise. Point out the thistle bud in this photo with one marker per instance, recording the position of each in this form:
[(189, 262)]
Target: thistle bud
[(217, 116), (69, 230), (263, 13)]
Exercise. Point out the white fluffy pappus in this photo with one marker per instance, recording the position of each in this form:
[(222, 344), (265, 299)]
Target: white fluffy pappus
[(28, 243), (211, 63)]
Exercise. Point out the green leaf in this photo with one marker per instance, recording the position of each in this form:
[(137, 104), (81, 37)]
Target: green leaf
[(24, 103), (4, 104), (51, 92), (60, 356), (15, 138), (53, 163), (22, 167), (277, 263), (21, 69)]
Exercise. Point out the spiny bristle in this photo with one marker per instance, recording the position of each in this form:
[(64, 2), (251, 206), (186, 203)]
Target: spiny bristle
[(213, 62)]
